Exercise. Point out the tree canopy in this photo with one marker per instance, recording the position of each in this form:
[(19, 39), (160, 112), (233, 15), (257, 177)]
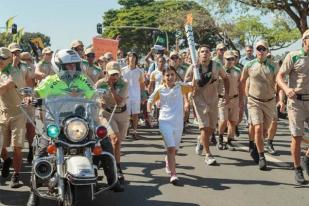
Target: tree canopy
[(5, 40), (168, 16), (297, 10), (246, 30)]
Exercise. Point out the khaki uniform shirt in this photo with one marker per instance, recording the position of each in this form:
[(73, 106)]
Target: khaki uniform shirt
[(209, 92), (262, 77), (10, 100), (233, 75), (121, 88), (296, 65), (45, 67), (217, 59)]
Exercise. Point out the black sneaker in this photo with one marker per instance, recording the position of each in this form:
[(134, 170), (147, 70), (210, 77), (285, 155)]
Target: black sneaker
[(120, 176), (15, 181), (230, 146), (118, 187), (299, 176), (262, 163), (237, 131), (221, 146), (254, 154), (213, 139), (306, 164), (270, 148), (6, 167)]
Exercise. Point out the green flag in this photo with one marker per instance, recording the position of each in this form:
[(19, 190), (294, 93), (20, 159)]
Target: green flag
[(9, 24), (160, 41)]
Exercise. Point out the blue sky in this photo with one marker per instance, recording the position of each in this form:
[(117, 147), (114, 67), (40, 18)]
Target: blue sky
[(62, 20)]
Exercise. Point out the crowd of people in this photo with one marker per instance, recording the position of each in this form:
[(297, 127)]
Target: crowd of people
[(165, 92)]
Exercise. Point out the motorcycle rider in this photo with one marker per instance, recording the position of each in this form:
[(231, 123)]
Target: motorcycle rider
[(67, 80)]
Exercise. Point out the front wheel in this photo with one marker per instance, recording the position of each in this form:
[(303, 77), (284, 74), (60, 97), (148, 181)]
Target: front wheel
[(80, 195)]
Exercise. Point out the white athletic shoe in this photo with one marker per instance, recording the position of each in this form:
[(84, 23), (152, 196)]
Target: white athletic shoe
[(210, 160), (199, 147)]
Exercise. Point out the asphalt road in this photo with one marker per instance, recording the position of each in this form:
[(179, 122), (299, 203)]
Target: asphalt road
[(234, 181)]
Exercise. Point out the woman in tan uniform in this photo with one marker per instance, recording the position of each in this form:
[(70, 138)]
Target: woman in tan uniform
[(115, 96)]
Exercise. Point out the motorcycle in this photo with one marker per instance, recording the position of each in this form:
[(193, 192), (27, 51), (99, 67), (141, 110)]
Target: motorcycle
[(65, 172)]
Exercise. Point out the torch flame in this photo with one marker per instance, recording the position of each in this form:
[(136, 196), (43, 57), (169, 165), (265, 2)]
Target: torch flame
[(189, 19)]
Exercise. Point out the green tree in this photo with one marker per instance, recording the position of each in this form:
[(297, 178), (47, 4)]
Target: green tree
[(133, 3), (25, 40), (295, 9), (248, 29), (169, 16)]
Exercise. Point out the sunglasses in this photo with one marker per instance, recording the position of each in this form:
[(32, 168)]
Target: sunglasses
[(114, 75), (261, 49), (90, 55), (174, 57), (3, 59), (230, 59), (223, 49)]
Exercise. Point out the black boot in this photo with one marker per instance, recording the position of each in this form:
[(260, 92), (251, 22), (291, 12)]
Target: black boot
[(30, 155), (118, 187), (33, 200)]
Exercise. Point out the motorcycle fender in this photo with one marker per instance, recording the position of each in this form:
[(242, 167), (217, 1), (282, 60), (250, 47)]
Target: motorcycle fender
[(79, 166)]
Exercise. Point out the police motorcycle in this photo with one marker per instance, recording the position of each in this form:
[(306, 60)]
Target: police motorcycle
[(71, 135)]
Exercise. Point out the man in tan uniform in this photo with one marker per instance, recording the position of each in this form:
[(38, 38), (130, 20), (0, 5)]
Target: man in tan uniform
[(116, 94), (296, 66), (261, 95), (93, 72), (229, 113), (28, 59), (220, 49), (12, 121), (205, 97), (44, 67)]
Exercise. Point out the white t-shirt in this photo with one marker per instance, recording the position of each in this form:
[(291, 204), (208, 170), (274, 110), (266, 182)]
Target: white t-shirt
[(133, 77), (156, 76)]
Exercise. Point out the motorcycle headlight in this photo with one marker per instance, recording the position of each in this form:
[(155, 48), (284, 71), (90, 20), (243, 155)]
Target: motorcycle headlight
[(76, 129), (53, 131)]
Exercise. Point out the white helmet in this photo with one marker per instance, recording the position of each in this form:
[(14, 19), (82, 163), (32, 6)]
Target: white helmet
[(65, 56)]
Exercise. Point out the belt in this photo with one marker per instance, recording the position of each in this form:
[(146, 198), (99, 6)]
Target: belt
[(118, 109), (232, 97), (261, 100), (302, 97)]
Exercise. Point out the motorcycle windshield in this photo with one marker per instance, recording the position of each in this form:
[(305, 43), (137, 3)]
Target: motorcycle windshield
[(60, 108)]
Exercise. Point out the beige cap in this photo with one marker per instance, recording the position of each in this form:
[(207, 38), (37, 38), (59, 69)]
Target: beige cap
[(229, 54), (261, 43), (89, 51), (76, 43), (305, 34), (102, 58), (113, 68), (5, 53), (220, 46), (173, 53), (108, 55), (47, 50), (14, 47), (25, 55), (236, 54)]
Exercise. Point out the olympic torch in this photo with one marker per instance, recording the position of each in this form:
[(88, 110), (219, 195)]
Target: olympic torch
[(191, 43)]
